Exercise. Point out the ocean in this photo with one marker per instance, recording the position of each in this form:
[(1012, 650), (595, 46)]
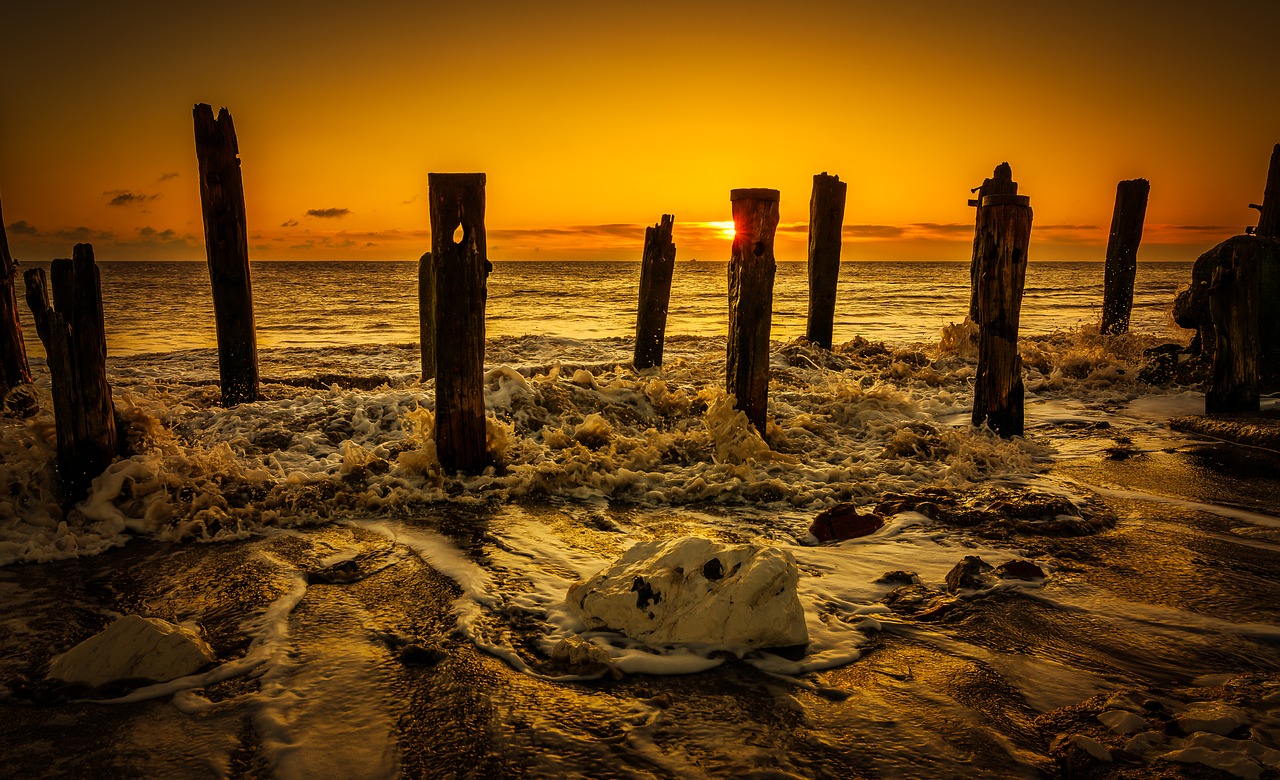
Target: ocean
[(234, 520)]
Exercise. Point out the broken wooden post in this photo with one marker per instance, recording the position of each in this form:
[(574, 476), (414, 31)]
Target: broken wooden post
[(75, 341), (14, 370), (656, 266), (461, 267), (1122, 254), (751, 269), (1234, 308), (1000, 183), (1269, 210), (227, 248), (427, 315), (1004, 233), (826, 221)]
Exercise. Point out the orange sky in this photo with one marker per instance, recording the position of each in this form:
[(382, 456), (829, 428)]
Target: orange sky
[(592, 119)]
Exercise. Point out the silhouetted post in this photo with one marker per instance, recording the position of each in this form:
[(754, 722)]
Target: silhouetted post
[(1000, 183), (1269, 210), (1234, 307), (461, 269), (826, 221), (1004, 233), (656, 267), (751, 269), (226, 245), (14, 370), (1122, 254), (75, 342), (427, 315)]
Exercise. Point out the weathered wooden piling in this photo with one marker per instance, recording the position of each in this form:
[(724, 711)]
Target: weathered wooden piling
[(427, 315), (461, 270), (1000, 183), (1234, 308), (227, 248), (1004, 233), (826, 221), (74, 338), (1122, 254), (14, 369), (1269, 209), (656, 267), (751, 271)]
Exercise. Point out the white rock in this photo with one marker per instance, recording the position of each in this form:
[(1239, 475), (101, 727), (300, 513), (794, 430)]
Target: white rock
[(132, 648), (1213, 717), (1122, 722), (1092, 747), (696, 590)]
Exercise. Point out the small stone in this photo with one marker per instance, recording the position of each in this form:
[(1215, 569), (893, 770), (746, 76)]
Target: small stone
[(417, 654), (1213, 717), (133, 648), (967, 574), (1019, 570), (843, 521), (898, 577), (1092, 747), (1123, 722)]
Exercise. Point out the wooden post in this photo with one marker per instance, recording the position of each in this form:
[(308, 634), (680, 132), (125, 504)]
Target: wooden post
[(226, 245), (1269, 210), (427, 315), (461, 269), (1004, 233), (656, 266), (1234, 307), (75, 342), (826, 221), (751, 269), (1122, 254), (1000, 183), (14, 370)]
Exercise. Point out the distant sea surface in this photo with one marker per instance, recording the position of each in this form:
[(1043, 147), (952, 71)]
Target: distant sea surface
[(166, 306)]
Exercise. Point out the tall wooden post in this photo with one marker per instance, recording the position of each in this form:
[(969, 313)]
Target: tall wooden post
[(1000, 183), (1234, 307), (1122, 254), (751, 270), (1004, 233), (226, 246), (14, 370), (461, 270), (826, 221), (427, 315), (656, 267), (1269, 210), (75, 341)]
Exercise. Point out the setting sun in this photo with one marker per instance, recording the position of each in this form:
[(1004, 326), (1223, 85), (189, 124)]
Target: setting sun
[(724, 229)]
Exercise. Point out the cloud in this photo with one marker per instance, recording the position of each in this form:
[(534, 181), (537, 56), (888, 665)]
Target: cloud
[(83, 234), (23, 228), (168, 176), (1202, 228), (329, 213), (289, 223), (942, 229), (871, 231), (127, 197), (1042, 228), (414, 199)]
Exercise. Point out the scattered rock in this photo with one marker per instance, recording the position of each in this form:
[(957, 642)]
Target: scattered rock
[(997, 512), (968, 574), (341, 573), (696, 590), (899, 577), (1122, 721), (843, 521), (1019, 570), (1213, 717), (133, 648)]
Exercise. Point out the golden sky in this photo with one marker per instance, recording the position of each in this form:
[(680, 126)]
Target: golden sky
[(592, 119)]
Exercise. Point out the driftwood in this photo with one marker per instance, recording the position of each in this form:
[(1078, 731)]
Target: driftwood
[(1000, 183), (751, 271), (75, 342), (1004, 233), (656, 267), (461, 270), (14, 370), (1233, 305), (226, 246), (1122, 254), (427, 315), (826, 221)]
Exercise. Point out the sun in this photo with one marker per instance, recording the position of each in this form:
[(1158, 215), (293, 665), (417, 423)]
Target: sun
[(725, 228)]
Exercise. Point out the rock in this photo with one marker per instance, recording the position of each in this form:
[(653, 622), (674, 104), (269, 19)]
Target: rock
[(1123, 722), (1019, 570), (1213, 717), (843, 521), (133, 648), (968, 574), (1092, 747), (696, 590), (899, 577), (419, 654)]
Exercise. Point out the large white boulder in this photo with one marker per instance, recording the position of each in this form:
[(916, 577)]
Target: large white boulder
[(696, 590), (133, 648)]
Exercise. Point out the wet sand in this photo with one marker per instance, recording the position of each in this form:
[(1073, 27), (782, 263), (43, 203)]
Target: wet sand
[(368, 673)]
